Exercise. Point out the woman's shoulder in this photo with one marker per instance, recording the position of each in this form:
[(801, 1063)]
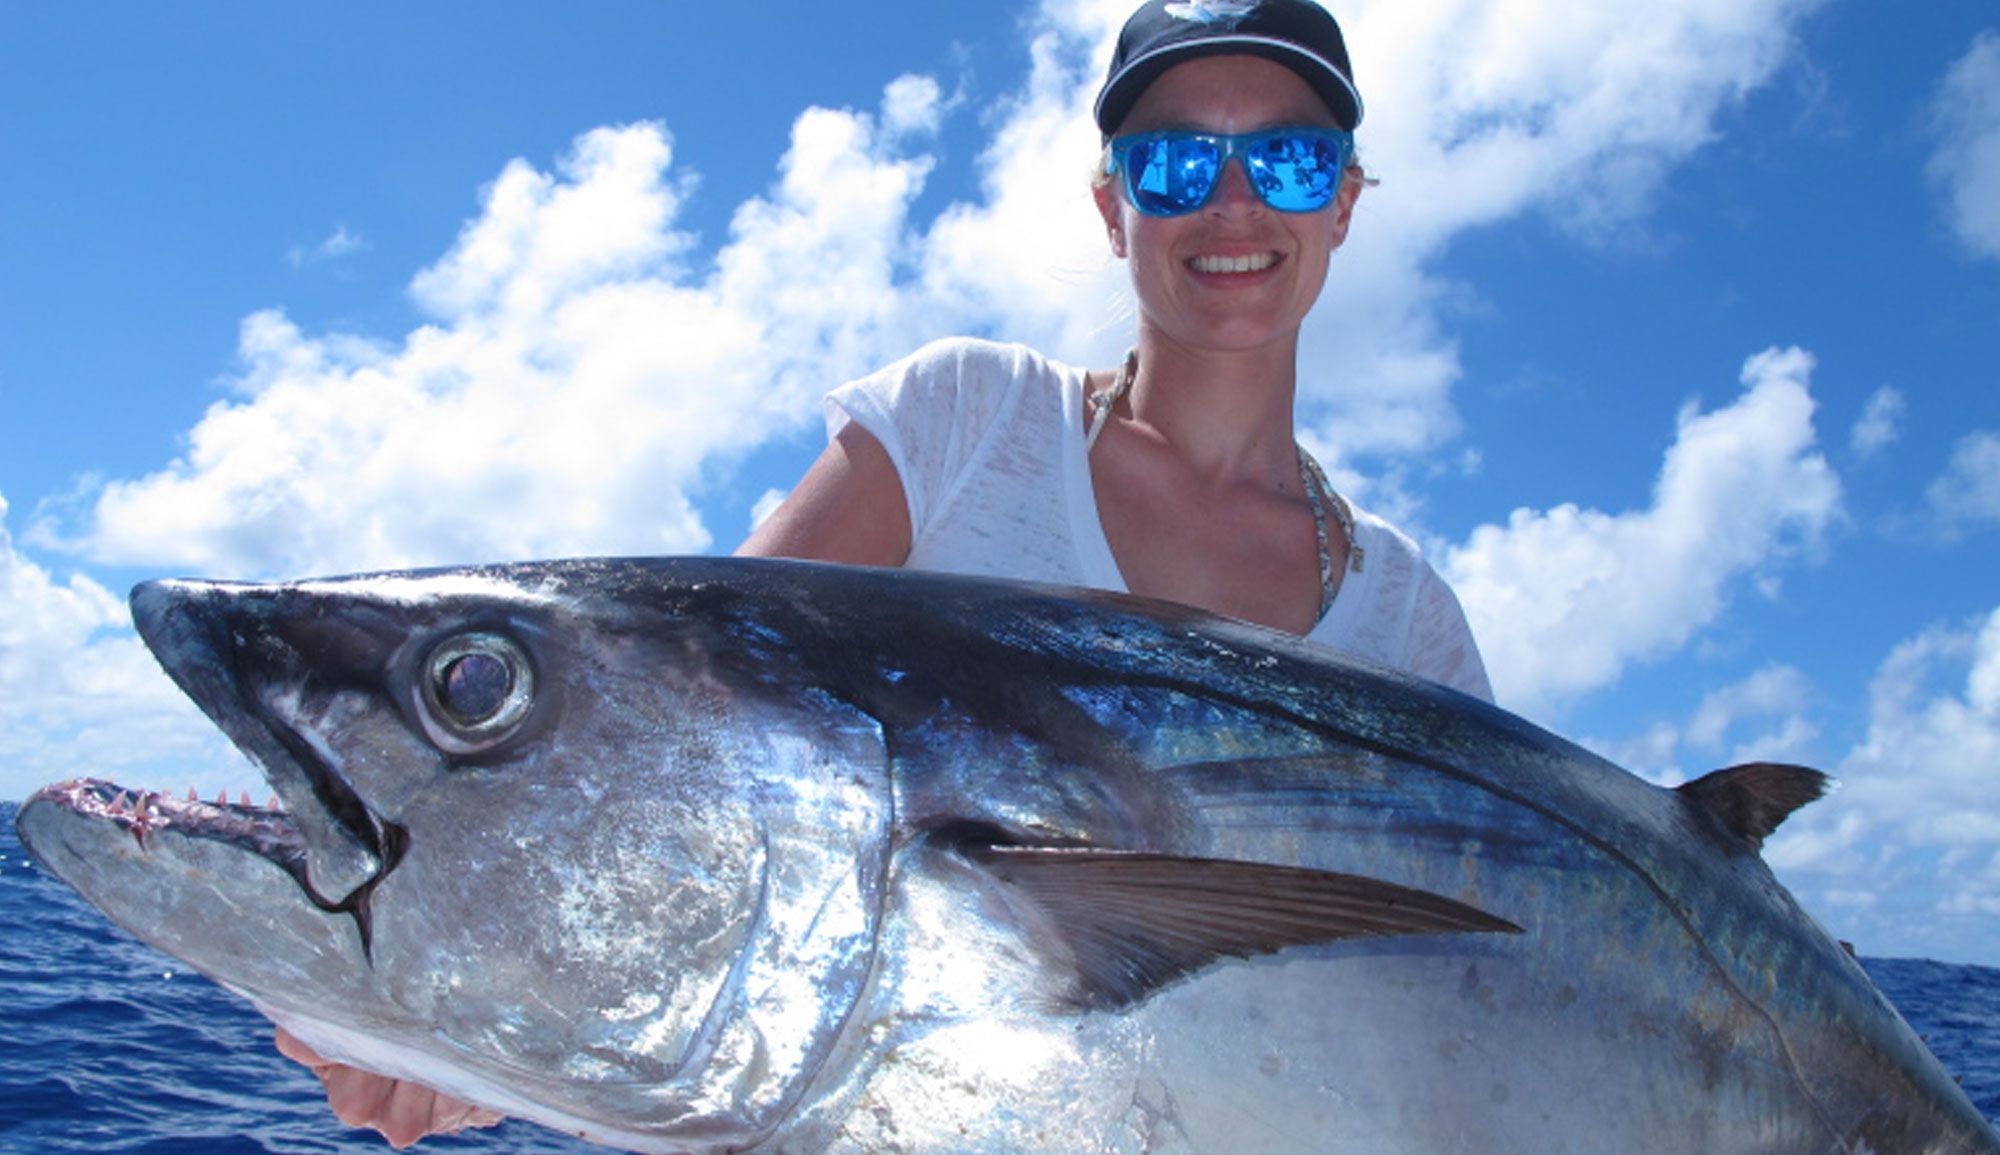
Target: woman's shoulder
[(980, 353), (964, 382), (1383, 542), (1417, 605), (958, 367), (1397, 580)]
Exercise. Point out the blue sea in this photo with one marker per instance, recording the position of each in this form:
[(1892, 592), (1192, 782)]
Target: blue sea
[(110, 1047)]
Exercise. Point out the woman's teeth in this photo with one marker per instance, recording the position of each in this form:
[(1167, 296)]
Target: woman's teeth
[(1246, 264)]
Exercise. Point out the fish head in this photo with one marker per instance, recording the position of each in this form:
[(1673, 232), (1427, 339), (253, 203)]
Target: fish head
[(564, 839)]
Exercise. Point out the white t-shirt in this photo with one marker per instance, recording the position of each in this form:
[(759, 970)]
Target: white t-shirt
[(988, 440)]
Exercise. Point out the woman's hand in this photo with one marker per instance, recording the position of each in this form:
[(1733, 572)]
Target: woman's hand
[(402, 1112)]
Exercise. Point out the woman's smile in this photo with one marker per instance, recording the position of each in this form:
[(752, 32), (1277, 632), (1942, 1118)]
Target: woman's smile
[(1218, 263)]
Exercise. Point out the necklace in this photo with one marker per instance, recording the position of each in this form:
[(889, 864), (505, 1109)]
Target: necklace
[(1312, 479)]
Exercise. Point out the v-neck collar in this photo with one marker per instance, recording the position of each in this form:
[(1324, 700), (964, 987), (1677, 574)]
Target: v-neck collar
[(1099, 565)]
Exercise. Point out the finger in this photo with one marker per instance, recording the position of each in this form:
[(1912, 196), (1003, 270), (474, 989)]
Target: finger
[(290, 1047), (358, 1098), (402, 1112), (411, 1111), (455, 1116)]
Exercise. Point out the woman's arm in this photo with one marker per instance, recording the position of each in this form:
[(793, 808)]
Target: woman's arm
[(848, 508)]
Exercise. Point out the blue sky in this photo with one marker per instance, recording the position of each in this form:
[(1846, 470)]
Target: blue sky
[(1672, 332)]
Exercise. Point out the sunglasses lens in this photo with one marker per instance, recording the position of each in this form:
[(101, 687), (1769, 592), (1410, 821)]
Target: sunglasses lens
[(1295, 172), (1169, 176)]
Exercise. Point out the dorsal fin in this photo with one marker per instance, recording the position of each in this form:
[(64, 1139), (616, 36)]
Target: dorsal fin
[(1751, 800), (1134, 922)]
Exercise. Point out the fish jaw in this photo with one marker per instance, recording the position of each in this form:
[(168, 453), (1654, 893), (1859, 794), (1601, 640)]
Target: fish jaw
[(178, 873), (650, 912)]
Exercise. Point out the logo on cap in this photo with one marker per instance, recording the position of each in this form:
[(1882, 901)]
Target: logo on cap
[(1211, 11)]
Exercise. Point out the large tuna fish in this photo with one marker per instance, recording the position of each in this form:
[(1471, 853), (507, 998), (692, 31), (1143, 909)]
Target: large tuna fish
[(718, 855)]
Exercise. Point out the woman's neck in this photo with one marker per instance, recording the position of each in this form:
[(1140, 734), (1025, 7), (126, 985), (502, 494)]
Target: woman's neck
[(1227, 413)]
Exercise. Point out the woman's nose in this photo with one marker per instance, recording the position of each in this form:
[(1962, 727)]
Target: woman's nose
[(1233, 191)]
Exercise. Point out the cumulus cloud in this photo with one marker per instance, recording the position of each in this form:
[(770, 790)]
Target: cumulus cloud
[(83, 698), (1880, 424), (1916, 822), (1563, 600), (335, 245), (766, 506), (589, 373), (1574, 110), (1771, 704), (1765, 717), (1965, 164), (579, 383), (1967, 494)]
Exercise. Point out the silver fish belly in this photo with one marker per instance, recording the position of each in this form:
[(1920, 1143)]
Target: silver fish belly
[(721, 855)]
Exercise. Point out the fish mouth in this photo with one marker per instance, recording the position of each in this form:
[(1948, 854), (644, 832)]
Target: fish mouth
[(265, 831), (268, 832), (220, 642)]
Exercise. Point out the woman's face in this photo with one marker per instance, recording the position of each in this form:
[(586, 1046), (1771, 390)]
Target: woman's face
[(1234, 274)]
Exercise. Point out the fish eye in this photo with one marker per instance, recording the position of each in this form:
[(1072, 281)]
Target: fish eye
[(476, 689)]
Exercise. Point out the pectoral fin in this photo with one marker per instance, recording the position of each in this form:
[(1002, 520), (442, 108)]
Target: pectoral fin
[(1136, 922)]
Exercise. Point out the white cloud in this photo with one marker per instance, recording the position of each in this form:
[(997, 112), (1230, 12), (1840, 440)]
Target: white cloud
[(82, 696), (912, 106), (1653, 754), (1765, 717), (1917, 820), (766, 506), (1777, 693), (1574, 109), (1966, 162), (1562, 600), (1968, 492), (335, 245), (579, 383), (1880, 424), (588, 370)]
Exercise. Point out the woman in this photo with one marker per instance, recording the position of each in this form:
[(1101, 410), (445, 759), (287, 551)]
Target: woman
[(1227, 184)]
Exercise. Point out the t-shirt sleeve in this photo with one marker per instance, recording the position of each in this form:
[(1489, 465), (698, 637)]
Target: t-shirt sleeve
[(928, 410), (1441, 647)]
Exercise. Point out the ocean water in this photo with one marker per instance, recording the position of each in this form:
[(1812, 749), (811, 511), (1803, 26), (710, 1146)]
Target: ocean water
[(108, 1046)]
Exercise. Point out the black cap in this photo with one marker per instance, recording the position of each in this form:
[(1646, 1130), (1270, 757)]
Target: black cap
[(1298, 34)]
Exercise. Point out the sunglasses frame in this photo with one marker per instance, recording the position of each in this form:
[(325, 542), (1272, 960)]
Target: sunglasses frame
[(1232, 145)]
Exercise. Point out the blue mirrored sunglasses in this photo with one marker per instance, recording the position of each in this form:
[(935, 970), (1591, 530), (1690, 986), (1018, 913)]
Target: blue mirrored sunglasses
[(1171, 174)]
